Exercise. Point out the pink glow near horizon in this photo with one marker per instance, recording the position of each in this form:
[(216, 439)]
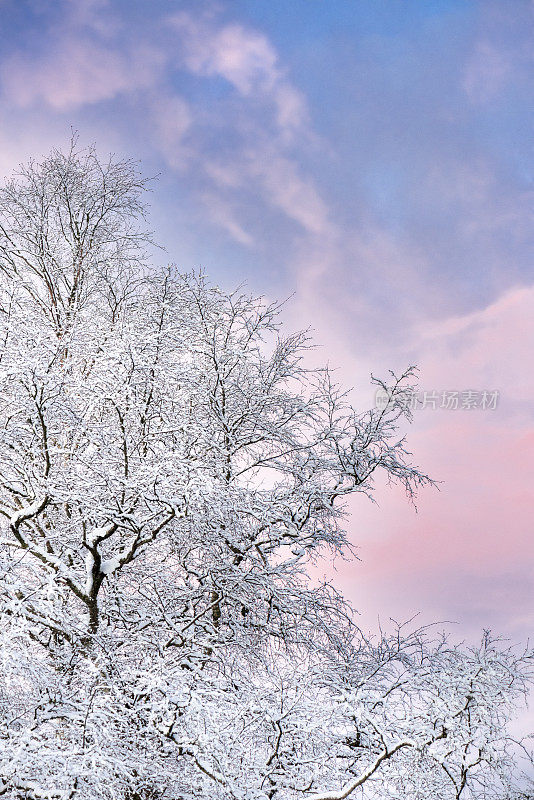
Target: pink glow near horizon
[(467, 554)]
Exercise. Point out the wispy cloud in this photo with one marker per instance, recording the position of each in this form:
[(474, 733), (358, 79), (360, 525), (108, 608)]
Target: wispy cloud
[(262, 121), (256, 128), (78, 72), (487, 72), (243, 57), (220, 212), (86, 60)]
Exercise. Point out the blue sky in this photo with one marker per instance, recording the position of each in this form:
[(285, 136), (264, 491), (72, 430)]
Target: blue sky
[(375, 161)]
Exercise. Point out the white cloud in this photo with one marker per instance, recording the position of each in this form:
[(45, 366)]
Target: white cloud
[(243, 57), (266, 117), (241, 147), (287, 190)]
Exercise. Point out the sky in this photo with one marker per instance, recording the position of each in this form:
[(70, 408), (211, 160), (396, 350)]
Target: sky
[(372, 162)]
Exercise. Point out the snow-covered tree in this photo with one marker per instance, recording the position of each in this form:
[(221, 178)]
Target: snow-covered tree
[(169, 468)]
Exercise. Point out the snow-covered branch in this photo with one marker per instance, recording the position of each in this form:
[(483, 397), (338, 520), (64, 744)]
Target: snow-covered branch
[(169, 467)]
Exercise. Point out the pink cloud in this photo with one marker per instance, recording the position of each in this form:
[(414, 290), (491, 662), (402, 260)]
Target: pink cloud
[(363, 288), (467, 554), (488, 348), (77, 72)]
